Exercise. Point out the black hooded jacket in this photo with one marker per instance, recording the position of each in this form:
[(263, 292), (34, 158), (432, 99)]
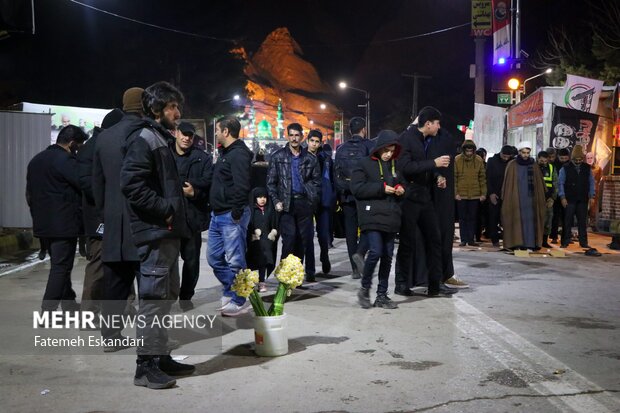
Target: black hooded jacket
[(418, 172), (376, 210), (496, 168)]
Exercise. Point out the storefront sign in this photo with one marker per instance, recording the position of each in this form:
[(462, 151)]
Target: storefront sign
[(481, 18), (528, 112)]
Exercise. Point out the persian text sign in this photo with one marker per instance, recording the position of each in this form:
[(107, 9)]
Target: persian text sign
[(572, 127), (581, 93), (528, 112), (481, 18), (501, 29)]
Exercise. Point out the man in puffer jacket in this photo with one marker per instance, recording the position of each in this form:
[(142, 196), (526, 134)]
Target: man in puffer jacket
[(470, 190)]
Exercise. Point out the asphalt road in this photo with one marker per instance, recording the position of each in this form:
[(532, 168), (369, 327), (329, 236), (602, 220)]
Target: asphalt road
[(530, 335)]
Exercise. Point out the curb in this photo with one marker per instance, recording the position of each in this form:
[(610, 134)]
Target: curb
[(20, 241)]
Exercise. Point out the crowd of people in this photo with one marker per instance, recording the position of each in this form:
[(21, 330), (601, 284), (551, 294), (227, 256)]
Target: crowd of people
[(143, 195)]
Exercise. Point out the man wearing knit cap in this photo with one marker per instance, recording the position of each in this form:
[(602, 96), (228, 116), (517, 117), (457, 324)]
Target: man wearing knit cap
[(523, 207), (576, 192), (471, 190), (118, 253)]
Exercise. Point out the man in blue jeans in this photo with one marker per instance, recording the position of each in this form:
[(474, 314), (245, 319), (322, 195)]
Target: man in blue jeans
[(231, 213)]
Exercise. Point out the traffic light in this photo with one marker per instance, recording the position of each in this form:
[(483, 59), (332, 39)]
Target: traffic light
[(514, 83)]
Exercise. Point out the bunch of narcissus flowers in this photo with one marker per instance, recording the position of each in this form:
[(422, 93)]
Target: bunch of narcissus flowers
[(290, 273)]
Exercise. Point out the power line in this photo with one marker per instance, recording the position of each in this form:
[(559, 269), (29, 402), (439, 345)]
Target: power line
[(203, 36)]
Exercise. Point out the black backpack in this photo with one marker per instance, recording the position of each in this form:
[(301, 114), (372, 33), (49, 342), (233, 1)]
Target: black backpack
[(347, 157)]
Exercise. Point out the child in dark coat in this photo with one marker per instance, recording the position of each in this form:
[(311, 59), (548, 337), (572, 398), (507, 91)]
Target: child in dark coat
[(262, 235), (375, 185)]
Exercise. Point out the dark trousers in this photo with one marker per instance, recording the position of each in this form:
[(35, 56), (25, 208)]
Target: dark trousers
[(323, 218), (94, 282), (481, 220), (354, 245), (446, 233), (118, 286), (580, 209), (422, 215), (468, 214), (158, 288), (295, 225), (190, 253), (558, 219), (59, 289), (381, 247), (493, 222)]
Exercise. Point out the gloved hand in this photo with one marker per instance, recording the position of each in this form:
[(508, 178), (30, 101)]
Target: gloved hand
[(257, 232), (272, 235)]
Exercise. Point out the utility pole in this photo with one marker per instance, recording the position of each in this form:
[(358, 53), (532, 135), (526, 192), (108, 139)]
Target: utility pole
[(480, 70), (414, 103)]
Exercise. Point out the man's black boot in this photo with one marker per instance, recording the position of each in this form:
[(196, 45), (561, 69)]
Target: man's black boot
[(363, 297), (546, 241), (148, 374), (401, 289), (384, 301), (174, 368)]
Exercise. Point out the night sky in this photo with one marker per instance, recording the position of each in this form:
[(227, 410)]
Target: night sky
[(82, 57)]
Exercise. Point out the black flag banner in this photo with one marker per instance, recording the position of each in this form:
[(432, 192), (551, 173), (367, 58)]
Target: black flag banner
[(572, 127)]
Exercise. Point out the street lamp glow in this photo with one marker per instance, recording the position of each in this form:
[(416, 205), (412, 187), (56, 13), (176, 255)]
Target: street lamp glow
[(342, 85), (548, 70), (513, 83), (323, 106), (236, 97), (311, 122)]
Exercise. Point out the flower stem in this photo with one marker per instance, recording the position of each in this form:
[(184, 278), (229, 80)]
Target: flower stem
[(257, 304), (277, 307)]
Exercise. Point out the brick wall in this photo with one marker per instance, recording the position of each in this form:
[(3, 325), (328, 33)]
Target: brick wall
[(609, 218)]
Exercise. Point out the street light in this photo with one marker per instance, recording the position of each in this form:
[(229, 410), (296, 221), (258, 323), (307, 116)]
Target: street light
[(323, 106), (546, 72), (343, 85)]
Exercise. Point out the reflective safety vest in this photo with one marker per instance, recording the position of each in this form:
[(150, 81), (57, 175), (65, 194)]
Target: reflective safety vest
[(549, 178)]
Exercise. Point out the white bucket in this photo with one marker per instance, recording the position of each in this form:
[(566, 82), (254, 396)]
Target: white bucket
[(270, 336)]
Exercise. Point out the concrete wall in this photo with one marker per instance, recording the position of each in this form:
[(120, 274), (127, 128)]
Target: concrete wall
[(22, 136)]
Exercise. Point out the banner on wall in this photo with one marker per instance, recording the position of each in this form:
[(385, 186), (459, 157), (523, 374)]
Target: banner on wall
[(501, 29), (572, 127), (582, 93), (489, 127), (527, 112)]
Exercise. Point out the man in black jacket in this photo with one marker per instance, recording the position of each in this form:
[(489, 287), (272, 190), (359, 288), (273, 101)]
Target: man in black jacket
[(348, 156), (195, 172), (94, 287), (294, 186), (496, 168), (325, 209), (121, 263), (151, 185), (229, 197), (420, 175), (53, 195)]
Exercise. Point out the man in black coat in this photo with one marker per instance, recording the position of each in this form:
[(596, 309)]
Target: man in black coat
[(94, 287), (420, 176), (496, 168), (157, 208), (194, 168), (119, 253), (53, 195), (294, 186)]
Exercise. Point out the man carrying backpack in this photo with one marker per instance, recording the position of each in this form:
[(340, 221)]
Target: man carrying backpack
[(348, 156)]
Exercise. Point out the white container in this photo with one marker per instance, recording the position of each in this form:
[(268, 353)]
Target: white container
[(270, 336)]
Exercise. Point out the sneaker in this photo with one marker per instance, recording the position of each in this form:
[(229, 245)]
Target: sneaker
[(442, 292), (310, 279), (224, 301), (262, 287), (149, 375), (356, 275), (363, 297), (554, 240), (233, 309), (496, 244), (462, 244), (186, 305), (358, 260), (403, 290), (174, 368), (473, 244), (456, 282), (384, 301)]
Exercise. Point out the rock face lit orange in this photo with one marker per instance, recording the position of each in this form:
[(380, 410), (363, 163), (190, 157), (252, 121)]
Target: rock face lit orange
[(278, 71)]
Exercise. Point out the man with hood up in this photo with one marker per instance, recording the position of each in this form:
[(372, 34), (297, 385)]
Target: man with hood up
[(523, 207), (496, 168), (375, 183)]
